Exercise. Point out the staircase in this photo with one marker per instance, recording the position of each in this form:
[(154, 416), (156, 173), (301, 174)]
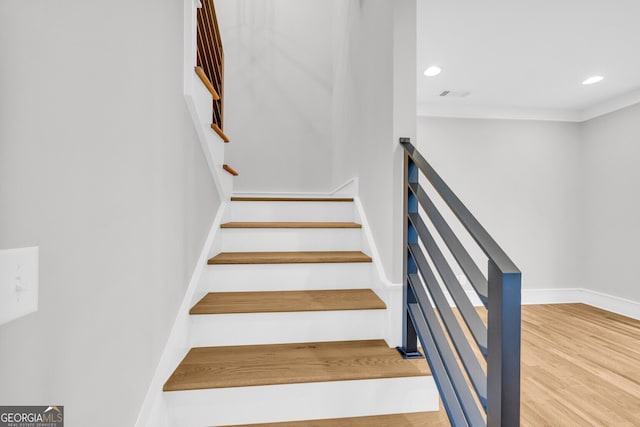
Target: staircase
[(286, 330)]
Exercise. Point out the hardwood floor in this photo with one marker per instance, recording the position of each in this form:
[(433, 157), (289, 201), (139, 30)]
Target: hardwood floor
[(580, 367)]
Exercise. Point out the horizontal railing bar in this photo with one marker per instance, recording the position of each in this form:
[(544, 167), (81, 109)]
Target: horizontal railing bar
[(445, 350), (477, 231), (443, 382), (466, 309), (466, 263), (467, 356)]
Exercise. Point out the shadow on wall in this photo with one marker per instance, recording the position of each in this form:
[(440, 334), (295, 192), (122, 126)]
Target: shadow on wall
[(279, 73)]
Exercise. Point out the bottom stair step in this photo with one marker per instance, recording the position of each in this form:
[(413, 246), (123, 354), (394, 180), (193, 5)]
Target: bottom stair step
[(278, 383), (283, 403), (416, 419)]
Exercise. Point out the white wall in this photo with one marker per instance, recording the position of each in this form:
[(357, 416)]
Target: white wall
[(318, 92), (374, 104), (101, 168), (522, 180), (278, 88), (611, 204)]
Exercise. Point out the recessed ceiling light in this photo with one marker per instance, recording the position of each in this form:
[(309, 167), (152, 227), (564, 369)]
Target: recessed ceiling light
[(432, 71), (593, 79)]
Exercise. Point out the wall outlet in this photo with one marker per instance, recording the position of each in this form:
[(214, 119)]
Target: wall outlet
[(19, 283)]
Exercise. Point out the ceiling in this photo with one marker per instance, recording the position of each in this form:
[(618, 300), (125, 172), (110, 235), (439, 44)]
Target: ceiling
[(526, 59)]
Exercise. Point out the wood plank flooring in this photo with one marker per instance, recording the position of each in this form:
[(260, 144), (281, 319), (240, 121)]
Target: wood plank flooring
[(288, 301), (238, 366), (290, 225), (292, 199), (289, 257), (580, 367)]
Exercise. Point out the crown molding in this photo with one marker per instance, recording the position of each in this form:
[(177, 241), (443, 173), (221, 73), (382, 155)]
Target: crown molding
[(523, 113), (611, 105)]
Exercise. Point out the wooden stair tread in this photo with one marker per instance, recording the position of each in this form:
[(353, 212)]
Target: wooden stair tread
[(290, 225), (219, 131), (288, 301), (207, 83), (297, 257), (229, 169), (243, 366), (292, 199), (415, 419)]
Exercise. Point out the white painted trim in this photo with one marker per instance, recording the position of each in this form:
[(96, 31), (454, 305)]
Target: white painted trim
[(524, 113), (552, 296), (178, 341), (349, 189), (305, 401), (371, 244), (194, 90), (612, 303), (207, 139), (389, 292), (610, 105), (494, 112)]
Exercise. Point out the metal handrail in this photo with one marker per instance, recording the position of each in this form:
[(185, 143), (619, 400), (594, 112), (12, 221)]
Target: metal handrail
[(486, 399), (473, 226)]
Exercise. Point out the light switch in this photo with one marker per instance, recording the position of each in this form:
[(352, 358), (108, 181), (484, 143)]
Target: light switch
[(19, 281)]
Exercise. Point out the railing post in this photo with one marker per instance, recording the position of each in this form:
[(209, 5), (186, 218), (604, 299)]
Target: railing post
[(409, 347), (503, 359)]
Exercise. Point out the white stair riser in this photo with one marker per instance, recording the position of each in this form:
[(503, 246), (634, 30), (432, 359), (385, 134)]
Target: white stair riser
[(285, 277), (281, 328), (290, 211), (289, 402), (290, 239)]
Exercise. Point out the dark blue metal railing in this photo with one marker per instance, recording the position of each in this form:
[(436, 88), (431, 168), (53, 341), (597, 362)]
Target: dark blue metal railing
[(476, 366)]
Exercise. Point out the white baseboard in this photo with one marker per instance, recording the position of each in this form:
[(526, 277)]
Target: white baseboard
[(348, 189), (389, 292), (614, 304), (178, 341), (551, 296)]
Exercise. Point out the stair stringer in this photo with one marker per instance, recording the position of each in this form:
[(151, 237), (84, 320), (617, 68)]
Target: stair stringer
[(390, 293), (161, 409), (153, 412), (199, 104)]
